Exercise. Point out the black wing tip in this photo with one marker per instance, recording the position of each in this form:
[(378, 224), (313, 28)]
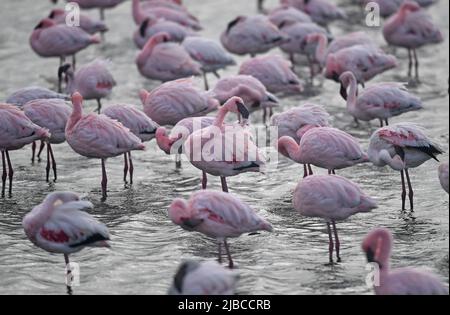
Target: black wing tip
[(91, 240)]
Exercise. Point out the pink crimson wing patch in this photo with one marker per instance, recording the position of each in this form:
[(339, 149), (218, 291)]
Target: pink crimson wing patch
[(54, 236)]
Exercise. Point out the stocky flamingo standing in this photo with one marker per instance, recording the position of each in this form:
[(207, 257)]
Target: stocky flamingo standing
[(163, 60), (251, 35), (402, 147), (98, 137), (380, 101), (296, 121), (93, 81), (411, 28), (51, 114), (274, 72), (16, 131), (332, 198), (284, 15), (60, 225), (173, 101), (443, 175), (324, 147), (203, 278), (138, 123), (210, 54), (225, 150), (403, 281), (217, 215), (27, 94), (88, 24)]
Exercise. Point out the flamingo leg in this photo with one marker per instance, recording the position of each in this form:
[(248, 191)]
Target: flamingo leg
[(411, 191), (216, 74), (102, 17), (178, 160), (62, 60), (220, 253), (52, 156), (47, 168), (33, 152), (99, 106), (125, 168), (410, 64), (310, 169), (69, 277), (333, 172), (104, 181), (41, 148), (356, 122), (403, 191), (204, 180), (224, 184), (305, 171), (74, 62), (205, 79), (416, 65), (381, 123), (292, 59), (330, 244), (387, 122), (131, 168), (4, 174), (11, 172), (338, 243), (230, 260), (265, 116)]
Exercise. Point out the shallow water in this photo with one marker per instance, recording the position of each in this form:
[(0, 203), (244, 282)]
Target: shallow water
[(147, 247)]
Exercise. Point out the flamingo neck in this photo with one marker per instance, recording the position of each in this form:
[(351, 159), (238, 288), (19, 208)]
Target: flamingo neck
[(137, 12), (146, 52), (321, 49), (290, 148), (352, 95), (75, 117), (220, 118)]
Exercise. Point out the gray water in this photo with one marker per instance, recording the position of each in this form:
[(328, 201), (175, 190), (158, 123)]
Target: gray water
[(147, 247)]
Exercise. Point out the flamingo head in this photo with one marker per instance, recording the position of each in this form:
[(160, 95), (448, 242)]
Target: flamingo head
[(45, 23), (77, 99), (236, 105), (377, 246), (346, 79), (163, 140), (179, 211)]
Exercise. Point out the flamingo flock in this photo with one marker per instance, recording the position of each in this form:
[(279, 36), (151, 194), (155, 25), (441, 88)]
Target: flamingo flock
[(212, 127)]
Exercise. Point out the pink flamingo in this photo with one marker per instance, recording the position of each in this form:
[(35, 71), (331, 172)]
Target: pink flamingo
[(324, 147), (203, 278), (296, 121), (250, 89), (138, 123), (402, 147), (94, 80), (380, 101), (165, 61), (411, 28), (274, 72), (285, 15), (60, 225), (209, 54), (217, 215), (182, 17), (51, 114), (332, 198), (443, 176), (25, 95), (88, 24), (151, 27), (16, 131), (99, 137), (251, 35), (404, 281), (173, 101), (237, 154), (364, 61)]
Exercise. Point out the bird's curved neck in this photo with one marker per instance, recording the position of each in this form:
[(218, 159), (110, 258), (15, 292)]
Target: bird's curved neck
[(137, 12), (220, 118), (352, 95), (321, 49), (146, 51), (77, 114), (291, 149)]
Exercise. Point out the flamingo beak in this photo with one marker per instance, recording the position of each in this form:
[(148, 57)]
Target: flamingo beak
[(243, 111), (344, 92)]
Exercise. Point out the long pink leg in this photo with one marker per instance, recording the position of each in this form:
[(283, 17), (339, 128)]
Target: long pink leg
[(338, 243), (33, 152), (330, 244), (52, 156), (131, 168), (5, 175), (11, 173), (204, 180), (41, 148), (411, 191), (125, 168), (224, 184), (230, 260), (403, 191), (104, 181)]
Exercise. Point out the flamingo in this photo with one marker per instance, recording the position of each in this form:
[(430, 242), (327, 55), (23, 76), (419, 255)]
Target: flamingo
[(27, 94), (99, 137), (102, 5), (274, 72), (88, 24), (225, 150), (251, 35), (411, 28), (60, 225), (380, 101), (332, 198), (402, 147), (51, 114), (209, 54), (173, 101), (94, 80), (217, 215), (138, 123), (203, 278), (403, 281), (250, 89), (16, 131), (324, 147), (296, 121), (443, 176), (165, 61), (285, 15)]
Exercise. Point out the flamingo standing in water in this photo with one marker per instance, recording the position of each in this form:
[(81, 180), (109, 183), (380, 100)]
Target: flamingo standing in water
[(324, 147), (138, 123), (203, 278), (60, 225), (25, 95), (403, 281), (411, 28), (217, 215), (380, 101), (88, 24), (99, 137), (165, 61), (443, 176), (332, 198), (51, 114), (274, 72), (402, 147), (225, 150), (94, 80), (296, 121)]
